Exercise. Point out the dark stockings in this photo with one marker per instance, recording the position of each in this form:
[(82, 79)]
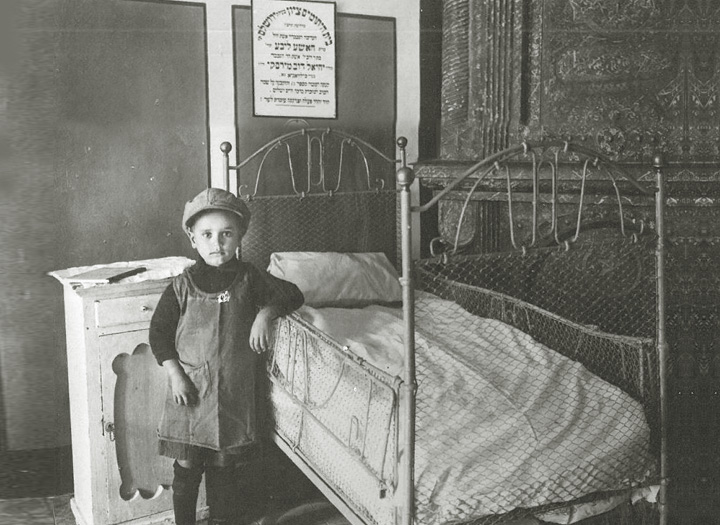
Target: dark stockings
[(222, 493), (186, 485)]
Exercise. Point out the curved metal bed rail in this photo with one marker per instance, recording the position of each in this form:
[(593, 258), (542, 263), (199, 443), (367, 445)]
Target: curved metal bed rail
[(539, 156), (316, 145), (526, 148)]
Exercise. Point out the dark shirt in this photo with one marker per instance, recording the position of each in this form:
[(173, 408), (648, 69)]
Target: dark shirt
[(283, 297)]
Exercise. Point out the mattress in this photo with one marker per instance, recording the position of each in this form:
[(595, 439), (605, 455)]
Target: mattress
[(502, 421)]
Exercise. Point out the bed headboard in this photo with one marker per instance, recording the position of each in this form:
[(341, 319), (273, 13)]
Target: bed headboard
[(318, 189), (568, 230), (539, 194)]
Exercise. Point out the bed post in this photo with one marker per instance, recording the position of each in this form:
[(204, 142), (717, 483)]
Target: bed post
[(405, 177), (226, 148), (660, 336)]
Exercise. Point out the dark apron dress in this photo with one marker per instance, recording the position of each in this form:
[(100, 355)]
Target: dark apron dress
[(213, 346)]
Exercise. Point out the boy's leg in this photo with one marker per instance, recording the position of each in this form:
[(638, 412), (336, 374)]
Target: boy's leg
[(186, 485)]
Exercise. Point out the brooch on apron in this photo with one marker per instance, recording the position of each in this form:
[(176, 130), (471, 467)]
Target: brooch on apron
[(223, 297)]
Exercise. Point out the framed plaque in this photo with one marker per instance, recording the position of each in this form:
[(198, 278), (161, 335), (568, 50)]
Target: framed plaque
[(294, 59)]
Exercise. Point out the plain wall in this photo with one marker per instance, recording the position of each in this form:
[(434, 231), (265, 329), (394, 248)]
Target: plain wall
[(33, 376), (110, 108)]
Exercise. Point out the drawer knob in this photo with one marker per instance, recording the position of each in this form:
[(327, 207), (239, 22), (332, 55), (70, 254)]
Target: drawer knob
[(145, 308)]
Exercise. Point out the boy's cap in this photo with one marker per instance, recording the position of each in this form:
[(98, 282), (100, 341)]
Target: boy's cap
[(215, 199)]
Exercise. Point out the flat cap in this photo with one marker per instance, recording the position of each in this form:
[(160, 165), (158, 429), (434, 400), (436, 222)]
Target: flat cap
[(215, 199)]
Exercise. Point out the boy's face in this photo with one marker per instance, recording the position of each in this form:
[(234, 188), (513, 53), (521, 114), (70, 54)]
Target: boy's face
[(216, 235)]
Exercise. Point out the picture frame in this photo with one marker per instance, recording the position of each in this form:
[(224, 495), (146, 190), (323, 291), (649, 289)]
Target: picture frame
[(294, 59)]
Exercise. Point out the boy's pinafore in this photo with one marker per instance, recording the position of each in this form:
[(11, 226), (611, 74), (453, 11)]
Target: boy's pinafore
[(213, 347)]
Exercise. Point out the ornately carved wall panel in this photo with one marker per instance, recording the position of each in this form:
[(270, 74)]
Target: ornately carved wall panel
[(628, 77)]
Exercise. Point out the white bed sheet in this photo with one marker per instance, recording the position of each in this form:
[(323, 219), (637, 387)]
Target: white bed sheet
[(502, 421)]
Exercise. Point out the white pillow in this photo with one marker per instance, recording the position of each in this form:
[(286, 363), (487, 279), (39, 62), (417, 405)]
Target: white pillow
[(339, 279)]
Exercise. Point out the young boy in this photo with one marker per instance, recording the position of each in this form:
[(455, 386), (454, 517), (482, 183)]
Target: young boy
[(207, 331)]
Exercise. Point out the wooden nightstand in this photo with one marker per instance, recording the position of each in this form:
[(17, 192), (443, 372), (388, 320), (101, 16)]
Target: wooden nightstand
[(117, 392)]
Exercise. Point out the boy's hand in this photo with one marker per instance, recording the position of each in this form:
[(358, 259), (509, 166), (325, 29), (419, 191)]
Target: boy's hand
[(260, 331), (183, 390)]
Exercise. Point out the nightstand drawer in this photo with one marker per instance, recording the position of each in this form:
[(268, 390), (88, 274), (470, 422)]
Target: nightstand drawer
[(120, 312)]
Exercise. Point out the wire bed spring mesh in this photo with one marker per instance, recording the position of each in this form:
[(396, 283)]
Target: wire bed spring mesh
[(370, 216)]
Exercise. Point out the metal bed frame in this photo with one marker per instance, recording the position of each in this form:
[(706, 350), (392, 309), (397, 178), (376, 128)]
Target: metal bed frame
[(473, 177)]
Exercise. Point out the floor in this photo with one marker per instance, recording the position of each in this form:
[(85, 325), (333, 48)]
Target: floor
[(30, 484), (37, 511), (56, 511)]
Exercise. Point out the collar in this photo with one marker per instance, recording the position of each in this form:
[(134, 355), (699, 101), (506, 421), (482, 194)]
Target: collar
[(201, 267)]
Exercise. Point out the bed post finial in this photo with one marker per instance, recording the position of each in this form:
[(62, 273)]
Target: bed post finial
[(658, 161), (402, 144), (405, 176)]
